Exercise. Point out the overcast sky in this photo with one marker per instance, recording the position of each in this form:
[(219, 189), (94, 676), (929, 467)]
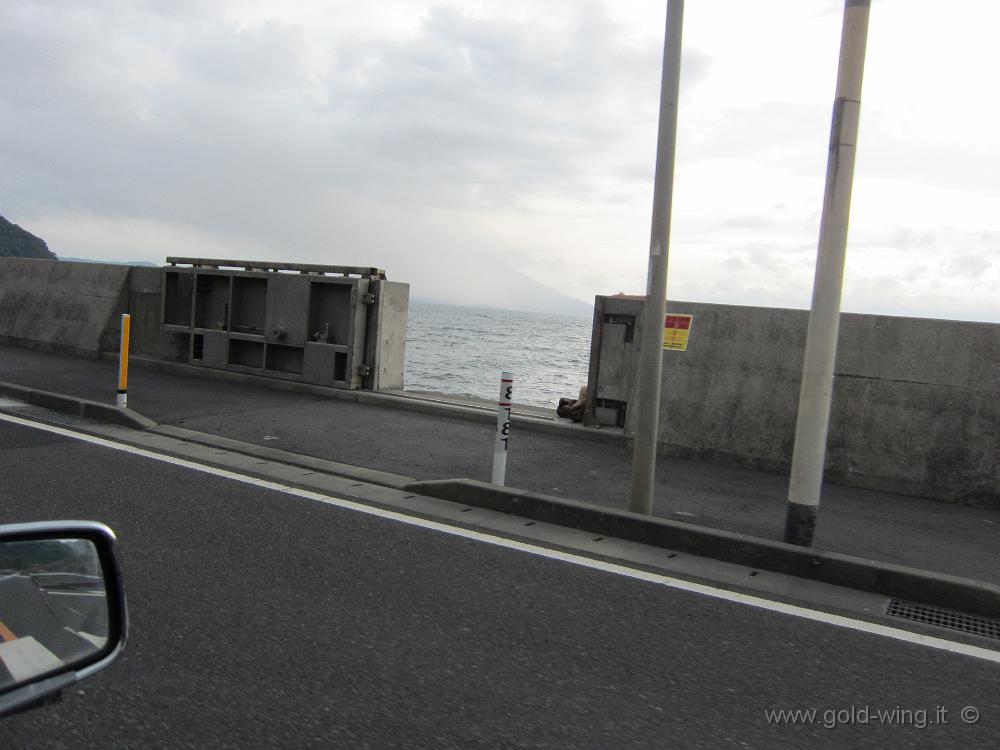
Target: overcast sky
[(480, 149)]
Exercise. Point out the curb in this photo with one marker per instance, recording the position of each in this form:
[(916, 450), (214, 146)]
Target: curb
[(321, 465), (886, 579), (77, 407), (124, 417)]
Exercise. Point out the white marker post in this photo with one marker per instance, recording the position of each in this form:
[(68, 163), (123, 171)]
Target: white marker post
[(122, 397), (503, 428)]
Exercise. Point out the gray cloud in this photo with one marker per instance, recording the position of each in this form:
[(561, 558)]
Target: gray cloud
[(160, 115), (389, 151), (900, 271), (784, 134), (456, 152), (961, 162)]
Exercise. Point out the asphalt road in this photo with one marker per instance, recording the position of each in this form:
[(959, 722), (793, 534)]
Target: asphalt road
[(263, 620)]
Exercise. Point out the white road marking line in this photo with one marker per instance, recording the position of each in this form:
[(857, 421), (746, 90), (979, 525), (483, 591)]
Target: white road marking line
[(757, 602)]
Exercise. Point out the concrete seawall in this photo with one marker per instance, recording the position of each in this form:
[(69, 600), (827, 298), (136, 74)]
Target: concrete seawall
[(916, 403), (59, 305)]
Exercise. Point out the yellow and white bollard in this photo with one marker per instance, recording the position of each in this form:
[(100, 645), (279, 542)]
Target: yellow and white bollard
[(122, 398)]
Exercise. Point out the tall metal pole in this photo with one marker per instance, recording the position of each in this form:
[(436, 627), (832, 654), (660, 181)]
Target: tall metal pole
[(824, 319), (647, 401)]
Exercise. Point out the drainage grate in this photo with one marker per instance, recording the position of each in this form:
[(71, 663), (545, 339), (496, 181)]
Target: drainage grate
[(52, 417), (945, 618)]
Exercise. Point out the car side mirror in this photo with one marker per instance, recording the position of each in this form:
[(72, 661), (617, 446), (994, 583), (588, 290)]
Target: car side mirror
[(62, 608)]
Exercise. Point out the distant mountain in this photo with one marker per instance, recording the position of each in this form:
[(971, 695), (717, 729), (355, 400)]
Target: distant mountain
[(505, 289), (20, 243), (556, 304), (523, 293)]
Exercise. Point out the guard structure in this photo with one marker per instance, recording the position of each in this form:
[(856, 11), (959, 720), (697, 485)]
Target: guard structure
[(338, 326), (614, 359)]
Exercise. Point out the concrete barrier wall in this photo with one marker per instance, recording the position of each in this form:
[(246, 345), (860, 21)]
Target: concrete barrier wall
[(77, 307), (916, 403), (59, 305), (145, 305)]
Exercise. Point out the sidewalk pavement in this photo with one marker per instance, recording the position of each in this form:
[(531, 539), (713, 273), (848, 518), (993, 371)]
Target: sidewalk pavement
[(952, 539)]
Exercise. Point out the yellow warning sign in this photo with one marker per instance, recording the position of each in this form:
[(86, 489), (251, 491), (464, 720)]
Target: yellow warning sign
[(676, 330)]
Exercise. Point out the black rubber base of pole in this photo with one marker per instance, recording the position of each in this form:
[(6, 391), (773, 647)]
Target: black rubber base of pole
[(800, 524)]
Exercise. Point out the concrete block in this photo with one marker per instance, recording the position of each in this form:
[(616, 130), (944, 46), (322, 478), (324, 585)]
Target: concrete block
[(318, 363), (915, 410), (61, 305), (386, 345), (286, 315)]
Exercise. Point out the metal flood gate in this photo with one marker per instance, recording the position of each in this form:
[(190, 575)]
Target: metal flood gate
[(340, 326), (614, 359)]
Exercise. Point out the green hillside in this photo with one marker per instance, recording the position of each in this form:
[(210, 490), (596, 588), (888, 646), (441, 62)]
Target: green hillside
[(18, 243)]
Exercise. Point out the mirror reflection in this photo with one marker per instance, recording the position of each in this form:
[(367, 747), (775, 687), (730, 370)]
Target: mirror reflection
[(53, 607)]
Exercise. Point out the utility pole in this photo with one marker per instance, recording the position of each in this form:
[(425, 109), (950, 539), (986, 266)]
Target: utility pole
[(647, 400), (816, 393)]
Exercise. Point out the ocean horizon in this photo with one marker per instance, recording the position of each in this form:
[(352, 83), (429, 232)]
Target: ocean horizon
[(461, 350)]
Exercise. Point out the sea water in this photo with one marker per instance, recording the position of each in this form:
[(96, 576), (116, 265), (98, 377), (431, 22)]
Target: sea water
[(462, 350)]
